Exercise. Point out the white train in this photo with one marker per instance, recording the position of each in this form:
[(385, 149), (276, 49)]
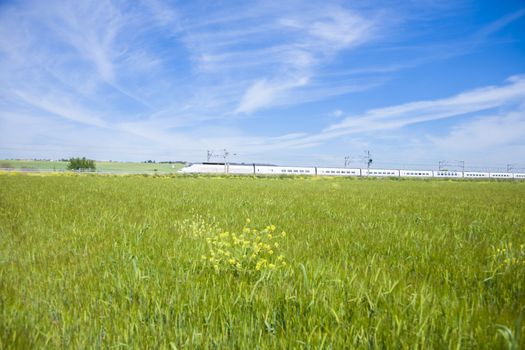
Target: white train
[(254, 169)]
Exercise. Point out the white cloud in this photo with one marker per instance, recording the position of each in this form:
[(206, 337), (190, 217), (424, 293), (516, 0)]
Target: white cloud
[(337, 113), (264, 93), (341, 29), (421, 111), (61, 106), (485, 132), (506, 96), (282, 53)]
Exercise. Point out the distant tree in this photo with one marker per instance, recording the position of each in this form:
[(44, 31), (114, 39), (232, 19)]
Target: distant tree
[(81, 164)]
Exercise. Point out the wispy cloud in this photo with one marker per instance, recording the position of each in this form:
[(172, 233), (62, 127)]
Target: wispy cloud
[(421, 111), (484, 132), (264, 93), (283, 52), (509, 95)]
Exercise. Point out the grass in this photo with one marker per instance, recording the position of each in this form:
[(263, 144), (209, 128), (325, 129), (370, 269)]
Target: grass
[(101, 166), (107, 261)]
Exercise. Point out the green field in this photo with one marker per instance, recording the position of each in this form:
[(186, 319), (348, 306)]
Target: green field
[(101, 166), (92, 261)]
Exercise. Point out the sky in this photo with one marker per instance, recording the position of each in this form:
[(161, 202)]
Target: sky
[(287, 82)]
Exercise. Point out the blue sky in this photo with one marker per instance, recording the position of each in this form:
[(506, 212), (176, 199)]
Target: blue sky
[(289, 82)]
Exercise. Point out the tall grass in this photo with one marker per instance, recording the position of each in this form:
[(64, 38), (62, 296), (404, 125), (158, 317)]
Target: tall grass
[(95, 261)]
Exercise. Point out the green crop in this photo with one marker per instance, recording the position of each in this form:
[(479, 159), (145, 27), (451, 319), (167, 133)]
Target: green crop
[(90, 261)]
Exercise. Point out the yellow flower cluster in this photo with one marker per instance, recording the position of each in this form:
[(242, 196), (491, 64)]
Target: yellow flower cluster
[(248, 251), (508, 256)]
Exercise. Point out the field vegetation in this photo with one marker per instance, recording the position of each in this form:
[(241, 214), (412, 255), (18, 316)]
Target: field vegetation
[(243, 262), (101, 166)]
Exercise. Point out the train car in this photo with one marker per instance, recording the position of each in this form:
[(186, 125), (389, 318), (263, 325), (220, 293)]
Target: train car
[(379, 172), (217, 168), (448, 174), (519, 176), (501, 175), (204, 168), (415, 173), (240, 169), (338, 172), (280, 170), (475, 175)]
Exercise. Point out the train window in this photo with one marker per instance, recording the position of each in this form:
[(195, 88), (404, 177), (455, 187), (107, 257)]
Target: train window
[(296, 171)]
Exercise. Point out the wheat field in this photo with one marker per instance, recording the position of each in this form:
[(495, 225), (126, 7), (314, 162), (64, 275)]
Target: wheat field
[(171, 262)]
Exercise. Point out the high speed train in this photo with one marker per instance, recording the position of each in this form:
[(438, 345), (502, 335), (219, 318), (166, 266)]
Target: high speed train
[(254, 169)]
